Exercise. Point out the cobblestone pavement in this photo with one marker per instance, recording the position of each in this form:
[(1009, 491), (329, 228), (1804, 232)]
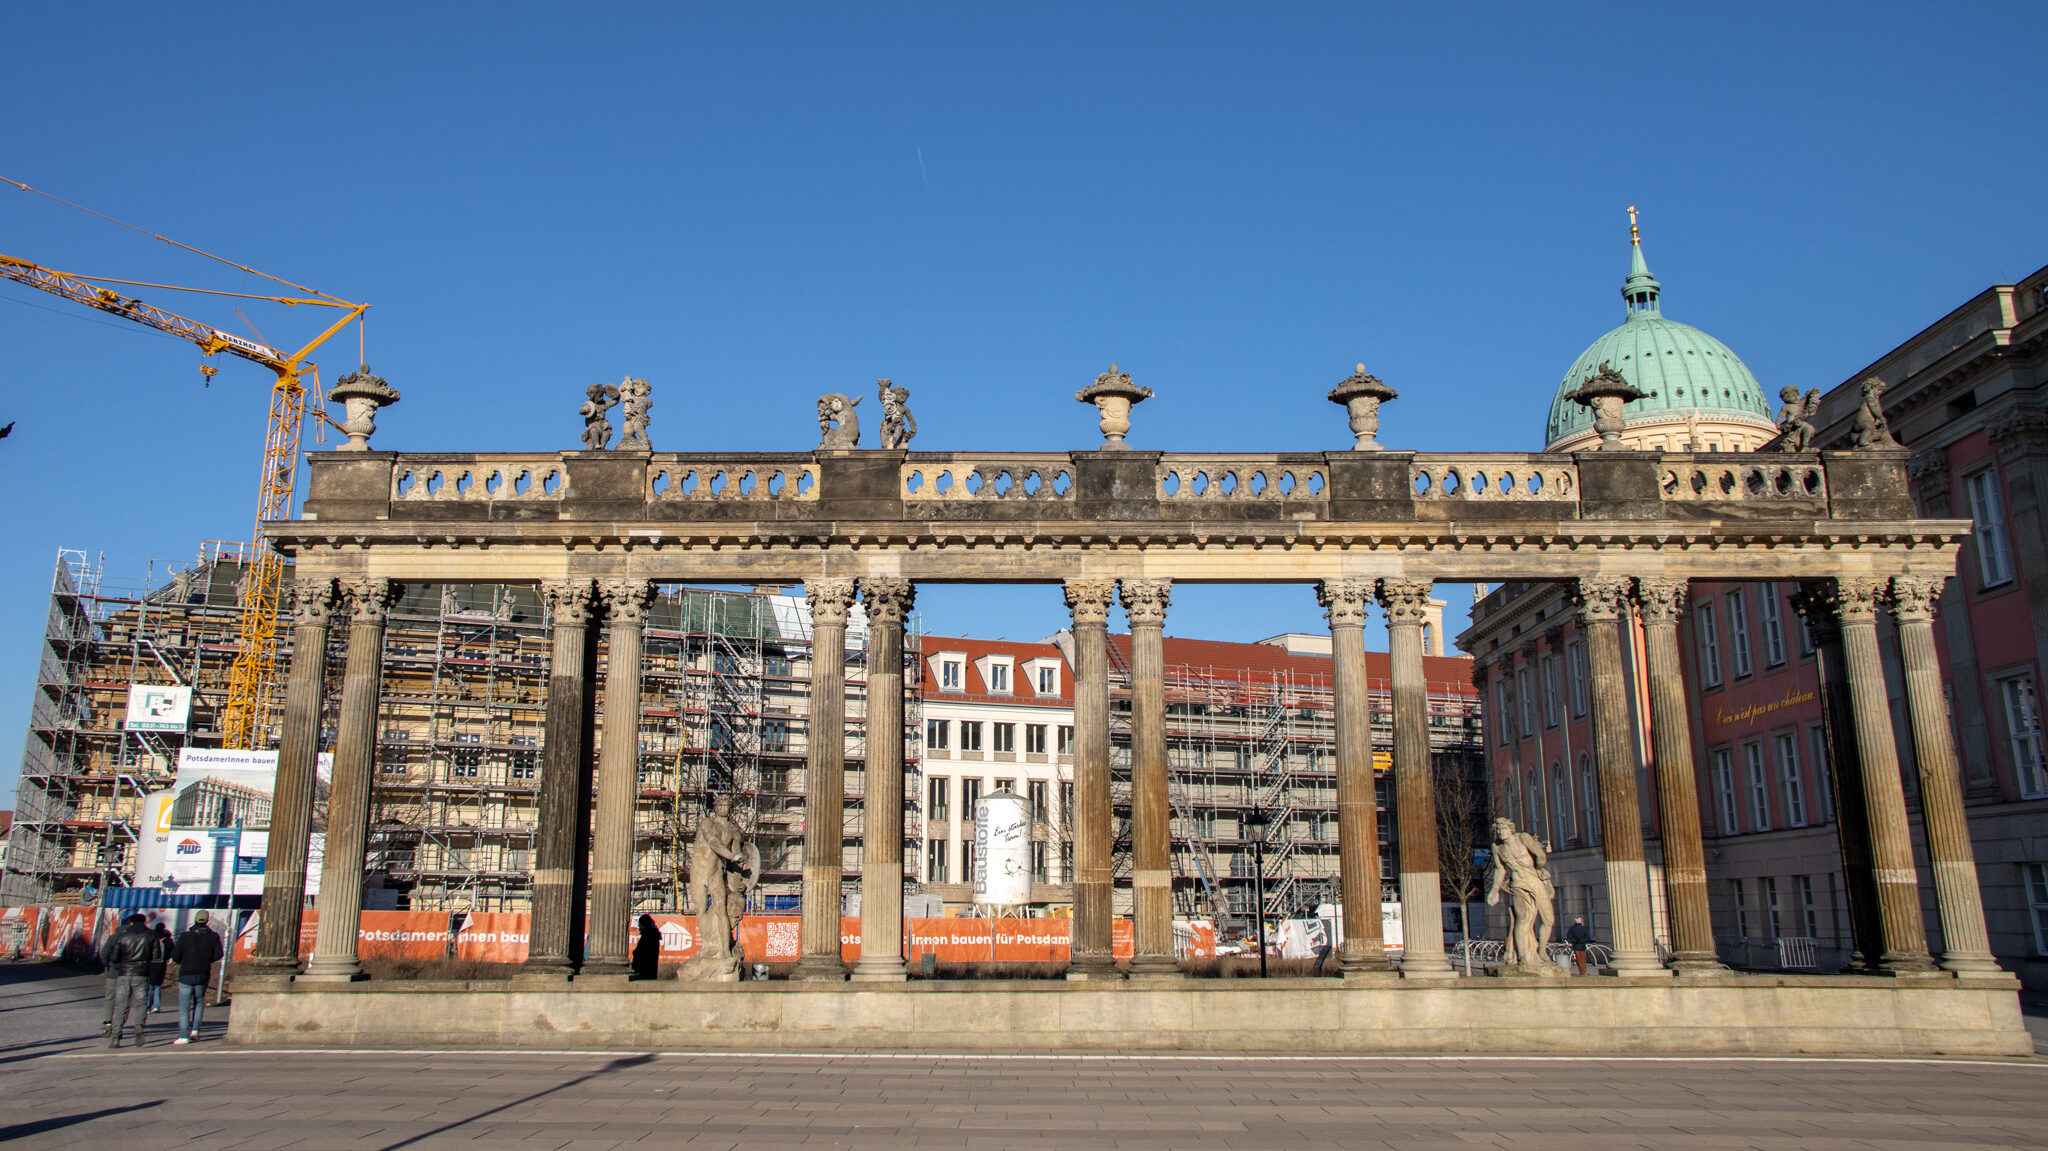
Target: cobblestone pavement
[(63, 1088)]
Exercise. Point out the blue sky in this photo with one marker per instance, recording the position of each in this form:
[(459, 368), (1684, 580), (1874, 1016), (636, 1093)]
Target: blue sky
[(749, 206)]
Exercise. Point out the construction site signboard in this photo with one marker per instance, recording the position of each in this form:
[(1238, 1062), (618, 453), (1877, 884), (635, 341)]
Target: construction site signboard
[(157, 707)]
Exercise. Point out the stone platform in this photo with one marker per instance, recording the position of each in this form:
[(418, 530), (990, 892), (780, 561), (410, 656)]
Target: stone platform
[(1734, 1014)]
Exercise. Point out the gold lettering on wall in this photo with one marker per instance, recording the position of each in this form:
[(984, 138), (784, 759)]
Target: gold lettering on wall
[(1794, 696)]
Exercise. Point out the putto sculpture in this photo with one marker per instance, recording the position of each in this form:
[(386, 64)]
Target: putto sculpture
[(1362, 396), (836, 419), (636, 400), (596, 412), (724, 867), (361, 394), (898, 425), (1521, 870), (1112, 393), (1871, 429), (1795, 419), (1604, 393)]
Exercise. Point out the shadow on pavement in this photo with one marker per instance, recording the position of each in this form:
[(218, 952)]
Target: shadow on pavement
[(614, 1065), (45, 1126)]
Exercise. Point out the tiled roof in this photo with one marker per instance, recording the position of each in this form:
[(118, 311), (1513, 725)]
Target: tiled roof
[(1026, 690)]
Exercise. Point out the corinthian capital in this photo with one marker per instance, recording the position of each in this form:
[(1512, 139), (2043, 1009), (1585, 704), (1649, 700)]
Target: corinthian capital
[(831, 599), (569, 600), (1603, 599), (1406, 600), (1858, 598), (1914, 597), (1146, 600), (1815, 603), (370, 598), (1088, 600), (313, 600), (1345, 601), (626, 601), (1662, 600), (888, 599)]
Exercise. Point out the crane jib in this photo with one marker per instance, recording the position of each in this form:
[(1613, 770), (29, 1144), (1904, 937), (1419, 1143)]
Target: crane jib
[(250, 346)]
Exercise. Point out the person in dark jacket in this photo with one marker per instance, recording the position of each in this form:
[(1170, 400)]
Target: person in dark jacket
[(107, 973), (647, 952), (195, 953), (1578, 935), (158, 969), (128, 956)]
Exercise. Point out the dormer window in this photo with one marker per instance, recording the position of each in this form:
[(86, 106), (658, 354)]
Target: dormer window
[(995, 673), (999, 677), (1048, 679), (952, 674)]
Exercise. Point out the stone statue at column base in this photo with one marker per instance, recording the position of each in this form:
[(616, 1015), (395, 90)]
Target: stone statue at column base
[(724, 866), (1521, 869)]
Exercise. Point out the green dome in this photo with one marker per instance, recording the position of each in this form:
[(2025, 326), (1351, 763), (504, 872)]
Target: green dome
[(1682, 368)]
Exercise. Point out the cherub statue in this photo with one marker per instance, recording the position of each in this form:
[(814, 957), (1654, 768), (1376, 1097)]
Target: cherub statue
[(1871, 429), (636, 399), (837, 421), (1521, 869), (898, 425), (596, 413), (1795, 419)]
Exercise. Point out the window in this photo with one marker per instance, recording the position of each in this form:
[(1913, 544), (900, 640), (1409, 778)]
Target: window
[(1589, 799), (1034, 738), (1575, 656), (1009, 785), (1793, 788), (1817, 739), (1759, 789), (1048, 680), (967, 861), (466, 764), (1724, 792), (951, 675), (2037, 903), (1528, 698), (2023, 726), (999, 677), (1038, 861), (1561, 802), (1809, 914), (1738, 633), (1551, 711), (525, 764), (970, 736), (1006, 736), (970, 795), (1805, 636), (1066, 861), (1994, 561), (1772, 610), (935, 861), (1710, 648), (1770, 908), (1066, 739), (1036, 793), (1500, 708), (1066, 803), (935, 733), (1741, 909), (940, 791)]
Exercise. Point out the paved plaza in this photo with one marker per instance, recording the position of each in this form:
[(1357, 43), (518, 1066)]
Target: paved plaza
[(64, 1088)]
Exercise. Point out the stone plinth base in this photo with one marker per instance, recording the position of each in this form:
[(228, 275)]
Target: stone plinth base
[(1736, 1014)]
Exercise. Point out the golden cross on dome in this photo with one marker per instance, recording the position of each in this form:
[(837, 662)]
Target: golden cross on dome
[(1635, 235)]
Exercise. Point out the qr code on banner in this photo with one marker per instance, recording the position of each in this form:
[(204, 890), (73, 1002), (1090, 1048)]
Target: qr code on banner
[(785, 940)]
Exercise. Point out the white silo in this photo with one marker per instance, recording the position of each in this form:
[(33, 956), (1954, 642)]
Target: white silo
[(1002, 850)]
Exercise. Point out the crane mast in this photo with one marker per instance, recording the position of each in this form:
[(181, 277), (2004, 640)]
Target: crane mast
[(262, 592)]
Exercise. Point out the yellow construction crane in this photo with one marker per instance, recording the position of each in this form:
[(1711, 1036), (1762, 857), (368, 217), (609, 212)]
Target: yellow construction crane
[(255, 665)]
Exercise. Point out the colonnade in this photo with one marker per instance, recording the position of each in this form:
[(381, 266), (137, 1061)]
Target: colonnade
[(571, 830)]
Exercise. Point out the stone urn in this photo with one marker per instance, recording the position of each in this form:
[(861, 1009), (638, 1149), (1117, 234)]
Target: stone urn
[(1604, 392), (1112, 393), (1362, 396), (361, 394)]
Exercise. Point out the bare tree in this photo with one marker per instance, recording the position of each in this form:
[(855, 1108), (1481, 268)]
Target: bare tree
[(1461, 827)]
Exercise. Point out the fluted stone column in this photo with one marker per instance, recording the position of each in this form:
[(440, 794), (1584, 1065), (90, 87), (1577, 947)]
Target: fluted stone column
[(1091, 954), (618, 779), (560, 870), (888, 601), (348, 798), (1815, 603), (1678, 793), (1966, 946), (1603, 604), (831, 601), (1422, 907), (1145, 603), (291, 808), (1857, 600), (1358, 822)]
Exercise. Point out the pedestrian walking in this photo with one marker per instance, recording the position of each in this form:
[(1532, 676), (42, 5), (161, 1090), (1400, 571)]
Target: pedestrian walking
[(128, 956), (159, 968), (195, 953), (647, 952), (1578, 935)]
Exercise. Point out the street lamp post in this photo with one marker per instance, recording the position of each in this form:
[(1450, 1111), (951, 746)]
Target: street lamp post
[(1255, 818)]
